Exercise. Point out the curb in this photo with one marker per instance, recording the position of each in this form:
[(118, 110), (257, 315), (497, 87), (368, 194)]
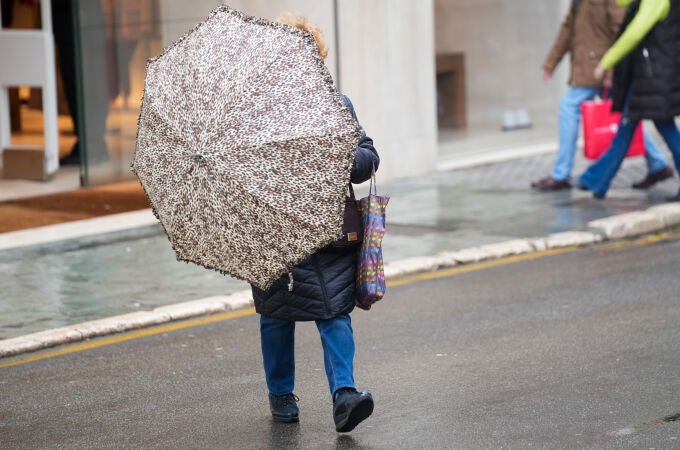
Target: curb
[(77, 229), (491, 156), (623, 226), (125, 322)]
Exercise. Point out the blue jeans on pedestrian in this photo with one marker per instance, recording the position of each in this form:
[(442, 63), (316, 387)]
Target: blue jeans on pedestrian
[(278, 352), (599, 175), (569, 124)]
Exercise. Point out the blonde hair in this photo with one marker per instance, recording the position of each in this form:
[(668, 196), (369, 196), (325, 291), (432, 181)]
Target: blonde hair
[(301, 22)]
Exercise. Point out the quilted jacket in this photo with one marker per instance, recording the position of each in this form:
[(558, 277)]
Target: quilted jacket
[(323, 284), (651, 70)]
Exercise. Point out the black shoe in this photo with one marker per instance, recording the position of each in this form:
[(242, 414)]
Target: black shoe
[(550, 184), (284, 408), (350, 408), (652, 178)]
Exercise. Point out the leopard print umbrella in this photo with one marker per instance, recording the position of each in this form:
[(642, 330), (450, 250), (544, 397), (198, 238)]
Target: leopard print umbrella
[(244, 146)]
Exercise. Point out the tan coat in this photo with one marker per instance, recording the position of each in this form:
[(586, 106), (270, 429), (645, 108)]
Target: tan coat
[(586, 36)]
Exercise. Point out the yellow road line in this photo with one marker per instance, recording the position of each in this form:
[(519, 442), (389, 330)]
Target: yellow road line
[(115, 339), (651, 239), (478, 266), (100, 342), (529, 256)]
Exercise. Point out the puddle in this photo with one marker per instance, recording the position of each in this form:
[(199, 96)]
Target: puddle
[(58, 289)]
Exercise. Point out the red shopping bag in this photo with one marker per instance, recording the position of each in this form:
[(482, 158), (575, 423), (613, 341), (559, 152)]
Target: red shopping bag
[(599, 128)]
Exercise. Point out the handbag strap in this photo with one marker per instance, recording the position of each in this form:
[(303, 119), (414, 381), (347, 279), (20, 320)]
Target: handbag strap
[(372, 188), (605, 94), (350, 189)]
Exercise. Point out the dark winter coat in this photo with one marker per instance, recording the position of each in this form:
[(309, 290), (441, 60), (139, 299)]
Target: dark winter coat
[(323, 284), (652, 71)]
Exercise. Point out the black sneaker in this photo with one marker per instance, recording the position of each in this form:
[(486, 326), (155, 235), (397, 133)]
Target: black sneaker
[(350, 408), (652, 178), (284, 407)]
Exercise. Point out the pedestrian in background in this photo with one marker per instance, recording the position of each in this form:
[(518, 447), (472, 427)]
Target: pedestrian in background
[(589, 28), (320, 288), (646, 84)]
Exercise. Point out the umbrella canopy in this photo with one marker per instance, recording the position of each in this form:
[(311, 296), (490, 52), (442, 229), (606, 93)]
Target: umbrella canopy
[(244, 146)]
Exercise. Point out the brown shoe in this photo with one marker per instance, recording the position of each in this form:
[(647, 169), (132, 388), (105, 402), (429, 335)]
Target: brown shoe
[(652, 178), (550, 184)]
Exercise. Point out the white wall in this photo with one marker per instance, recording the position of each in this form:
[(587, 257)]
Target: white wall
[(505, 43), (387, 69)]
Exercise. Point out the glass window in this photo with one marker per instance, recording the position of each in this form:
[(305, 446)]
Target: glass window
[(115, 39)]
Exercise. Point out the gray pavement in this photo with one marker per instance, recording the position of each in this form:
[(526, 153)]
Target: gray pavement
[(64, 283), (581, 354)]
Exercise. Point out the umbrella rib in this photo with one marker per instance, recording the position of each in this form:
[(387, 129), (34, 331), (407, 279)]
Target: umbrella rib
[(308, 136), (236, 95), (350, 157), (169, 126)]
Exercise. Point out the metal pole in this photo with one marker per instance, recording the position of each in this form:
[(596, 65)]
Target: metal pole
[(80, 92), (336, 26), (46, 15)]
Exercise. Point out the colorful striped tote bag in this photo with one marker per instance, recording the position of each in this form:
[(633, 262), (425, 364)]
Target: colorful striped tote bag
[(370, 279)]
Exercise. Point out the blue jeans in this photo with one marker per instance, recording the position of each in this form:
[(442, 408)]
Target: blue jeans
[(278, 352), (599, 175), (569, 123)]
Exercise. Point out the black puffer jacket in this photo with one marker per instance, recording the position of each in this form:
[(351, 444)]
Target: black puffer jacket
[(652, 70), (323, 284)]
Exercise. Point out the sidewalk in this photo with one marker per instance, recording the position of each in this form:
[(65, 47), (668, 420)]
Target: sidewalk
[(94, 283), (63, 207)]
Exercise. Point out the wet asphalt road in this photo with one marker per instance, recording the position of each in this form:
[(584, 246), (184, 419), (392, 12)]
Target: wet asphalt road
[(576, 350)]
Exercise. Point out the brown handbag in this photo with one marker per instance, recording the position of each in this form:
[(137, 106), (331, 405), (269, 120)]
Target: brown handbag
[(352, 230)]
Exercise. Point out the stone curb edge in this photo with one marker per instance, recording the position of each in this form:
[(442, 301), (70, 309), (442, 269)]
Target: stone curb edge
[(623, 226), (77, 229)]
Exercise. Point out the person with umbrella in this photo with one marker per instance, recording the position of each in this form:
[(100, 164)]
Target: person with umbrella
[(246, 151), (320, 288)]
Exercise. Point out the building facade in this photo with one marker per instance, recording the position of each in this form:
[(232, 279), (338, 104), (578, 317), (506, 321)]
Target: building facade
[(430, 79)]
